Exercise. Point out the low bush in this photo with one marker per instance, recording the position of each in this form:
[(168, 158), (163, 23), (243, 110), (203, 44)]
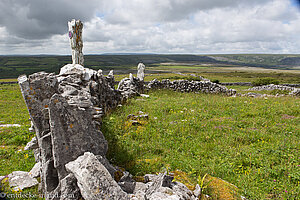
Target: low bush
[(265, 81)]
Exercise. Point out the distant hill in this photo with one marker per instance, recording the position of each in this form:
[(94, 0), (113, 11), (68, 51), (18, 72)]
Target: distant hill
[(13, 66)]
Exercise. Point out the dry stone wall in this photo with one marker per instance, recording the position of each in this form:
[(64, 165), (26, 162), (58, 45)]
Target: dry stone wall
[(191, 86), (66, 111)]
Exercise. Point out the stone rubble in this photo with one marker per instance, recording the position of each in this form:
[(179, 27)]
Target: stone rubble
[(191, 86)]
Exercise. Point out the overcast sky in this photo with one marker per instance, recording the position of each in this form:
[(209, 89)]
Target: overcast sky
[(151, 26)]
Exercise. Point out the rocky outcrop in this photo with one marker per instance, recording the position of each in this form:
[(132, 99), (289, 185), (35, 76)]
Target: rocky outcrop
[(191, 86)]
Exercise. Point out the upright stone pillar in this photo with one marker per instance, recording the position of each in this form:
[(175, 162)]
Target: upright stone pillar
[(75, 35), (140, 72)]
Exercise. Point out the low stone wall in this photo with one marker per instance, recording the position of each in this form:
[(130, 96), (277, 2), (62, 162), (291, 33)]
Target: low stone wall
[(271, 87), (237, 83), (191, 86)]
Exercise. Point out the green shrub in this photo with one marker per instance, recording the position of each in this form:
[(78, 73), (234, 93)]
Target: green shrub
[(265, 81)]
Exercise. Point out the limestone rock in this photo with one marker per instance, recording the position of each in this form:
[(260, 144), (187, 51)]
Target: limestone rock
[(94, 180), (138, 196), (131, 86), (32, 144), (140, 72), (161, 180), (127, 183), (163, 196), (75, 35), (295, 92), (197, 191), (1, 178), (20, 180), (182, 191), (191, 86), (66, 190), (110, 168), (72, 133), (35, 171), (140, 187)]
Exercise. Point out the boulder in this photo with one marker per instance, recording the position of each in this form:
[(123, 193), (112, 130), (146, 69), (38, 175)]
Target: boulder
[(94, 180)]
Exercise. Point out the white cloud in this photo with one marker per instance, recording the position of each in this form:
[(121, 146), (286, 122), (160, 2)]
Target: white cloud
[(169, 26)]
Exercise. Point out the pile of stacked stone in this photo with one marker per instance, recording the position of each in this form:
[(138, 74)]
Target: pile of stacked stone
[(191, 86), (95, 181), (271, 87), (133, 86)]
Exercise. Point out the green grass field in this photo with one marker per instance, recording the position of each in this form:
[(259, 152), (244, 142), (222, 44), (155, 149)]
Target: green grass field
[(252, 143)]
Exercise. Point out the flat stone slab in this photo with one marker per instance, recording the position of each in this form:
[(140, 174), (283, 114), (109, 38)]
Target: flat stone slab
[(20, 180), (9, 125)]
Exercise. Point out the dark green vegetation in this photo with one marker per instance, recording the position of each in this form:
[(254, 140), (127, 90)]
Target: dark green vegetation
[(252, 143), (265, 81), (13, 66)]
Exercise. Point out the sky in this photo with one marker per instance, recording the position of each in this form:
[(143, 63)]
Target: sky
[(151, 26)]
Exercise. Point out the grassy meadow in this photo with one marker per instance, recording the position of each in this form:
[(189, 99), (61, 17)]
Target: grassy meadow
[(252, 143)]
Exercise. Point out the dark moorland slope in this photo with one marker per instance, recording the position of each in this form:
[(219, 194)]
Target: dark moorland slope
[(13, 66)]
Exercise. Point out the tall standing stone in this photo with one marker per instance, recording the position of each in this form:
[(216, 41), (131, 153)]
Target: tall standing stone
[(140, 72), (75, 35)]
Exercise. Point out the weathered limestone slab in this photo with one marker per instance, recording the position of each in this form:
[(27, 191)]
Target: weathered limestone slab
[(32, 144), (94, 180), (20, 180), (72, 133), (37, 90), (35, 171), (140, 73), (75, 35)]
